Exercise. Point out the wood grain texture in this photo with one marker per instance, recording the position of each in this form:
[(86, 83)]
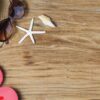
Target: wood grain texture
[(4, 4), (65, 62)]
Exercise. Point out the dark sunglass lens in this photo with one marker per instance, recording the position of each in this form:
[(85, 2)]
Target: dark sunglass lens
[(19, 12), (6, 33), (17, 9), (9, 31)]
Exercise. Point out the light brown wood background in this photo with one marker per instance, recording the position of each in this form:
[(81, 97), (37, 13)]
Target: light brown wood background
[(65, 62)]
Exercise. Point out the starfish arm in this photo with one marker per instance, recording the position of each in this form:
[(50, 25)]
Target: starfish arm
[(23, 38), (38, 32), (21, 28), (33, 41), (31, 25)]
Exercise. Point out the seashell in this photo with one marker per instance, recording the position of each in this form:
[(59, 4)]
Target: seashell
[(46, 21)]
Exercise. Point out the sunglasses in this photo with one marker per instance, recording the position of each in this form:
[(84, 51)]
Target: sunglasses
[(16, 11)]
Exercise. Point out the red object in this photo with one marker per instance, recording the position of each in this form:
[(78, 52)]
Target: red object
[(1, 98)]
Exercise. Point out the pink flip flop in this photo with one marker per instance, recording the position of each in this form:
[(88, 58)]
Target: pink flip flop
[(1, 77), (7, 93)]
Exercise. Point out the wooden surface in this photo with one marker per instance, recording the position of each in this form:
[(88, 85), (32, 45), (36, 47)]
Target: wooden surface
[(65, 62)]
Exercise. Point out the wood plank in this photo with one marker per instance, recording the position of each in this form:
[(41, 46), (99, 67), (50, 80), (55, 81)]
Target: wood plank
[(65, 62)]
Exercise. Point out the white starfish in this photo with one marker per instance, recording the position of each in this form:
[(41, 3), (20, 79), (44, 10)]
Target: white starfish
[(30, 32)]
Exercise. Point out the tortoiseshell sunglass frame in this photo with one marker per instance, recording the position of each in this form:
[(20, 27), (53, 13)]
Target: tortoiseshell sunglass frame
[(16, 11)]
